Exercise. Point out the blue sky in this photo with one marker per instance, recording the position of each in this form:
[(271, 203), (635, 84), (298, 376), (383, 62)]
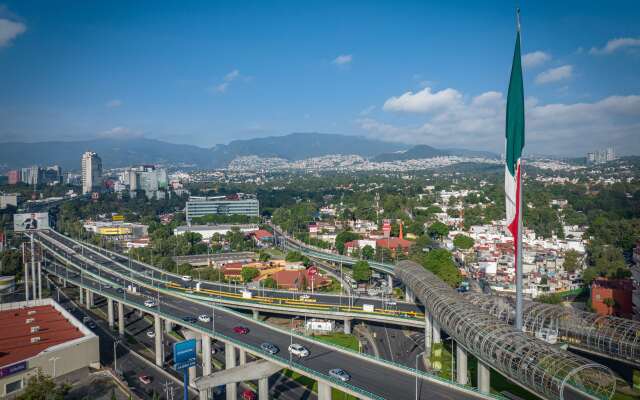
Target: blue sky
[(417, 72)]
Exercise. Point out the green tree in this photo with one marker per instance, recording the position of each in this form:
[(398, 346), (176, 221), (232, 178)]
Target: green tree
[(463, 242), (368, 252), (571, 261), (343, 237), (294, 256), (248, 273), (361, 271), (270, 283), (42, 387), (264, 256), (438, 230), (551, 298), (440, 262)]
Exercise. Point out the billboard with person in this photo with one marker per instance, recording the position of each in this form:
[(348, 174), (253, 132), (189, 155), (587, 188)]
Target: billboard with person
[(30, 221)]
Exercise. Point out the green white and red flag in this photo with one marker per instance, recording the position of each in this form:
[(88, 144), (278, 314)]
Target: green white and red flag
[(515, 144)]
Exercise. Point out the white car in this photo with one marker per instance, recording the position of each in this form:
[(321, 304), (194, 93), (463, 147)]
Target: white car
[(149, 303), (298, 350), (305, 297), (204, 318), (340, 374), (151, 334), (186, 278)]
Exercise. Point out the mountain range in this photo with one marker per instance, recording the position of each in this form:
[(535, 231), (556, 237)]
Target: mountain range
[(134, 151)]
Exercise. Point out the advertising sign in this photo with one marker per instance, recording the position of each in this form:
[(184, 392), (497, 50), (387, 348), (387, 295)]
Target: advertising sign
[(30, 221), (184, 354), (13, 369), (117, 217)]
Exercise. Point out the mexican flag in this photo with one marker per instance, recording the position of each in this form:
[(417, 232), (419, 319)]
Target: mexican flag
[(514, 145)]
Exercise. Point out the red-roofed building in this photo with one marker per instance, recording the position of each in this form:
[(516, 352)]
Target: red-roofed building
[(394, 243), (262, 237), (232, 270), (43, 336)]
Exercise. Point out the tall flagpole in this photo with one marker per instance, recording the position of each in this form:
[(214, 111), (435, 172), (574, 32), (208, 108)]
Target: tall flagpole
[(518, 260)]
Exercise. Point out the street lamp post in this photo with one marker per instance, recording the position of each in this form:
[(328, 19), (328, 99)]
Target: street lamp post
[(417, 369)]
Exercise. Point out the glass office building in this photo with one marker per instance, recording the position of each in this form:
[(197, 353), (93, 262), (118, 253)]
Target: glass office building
[(239, 204)]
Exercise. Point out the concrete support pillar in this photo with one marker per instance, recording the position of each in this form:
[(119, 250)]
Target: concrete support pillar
[(242, 357), (256, 314), (390, 281), (206, 362), (409, 296), (461, 365), (198, 337), (428, 331), (87, 298), (110, 312), (435, 332), (64, 283), (81, 295), (347, 326), (230, 362), (484, 378), (324, 391), (157, 323), (121, 318), (91, 297), (193, 374), (263, 389), (168, 326)]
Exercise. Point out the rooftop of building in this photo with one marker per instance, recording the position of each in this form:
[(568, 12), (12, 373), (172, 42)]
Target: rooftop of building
[(32, 330), (208, 227)]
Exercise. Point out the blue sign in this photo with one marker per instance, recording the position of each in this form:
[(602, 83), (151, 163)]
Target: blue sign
[(184, 354), (13, 369)]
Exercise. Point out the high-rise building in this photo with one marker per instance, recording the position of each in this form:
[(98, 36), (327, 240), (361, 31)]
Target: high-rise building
[(146, 178), (53, 175), (601, 156), (13, 177), (91, 172), (238, 204)]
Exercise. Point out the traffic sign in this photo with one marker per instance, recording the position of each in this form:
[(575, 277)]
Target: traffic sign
[(313, 270), (184, 354)]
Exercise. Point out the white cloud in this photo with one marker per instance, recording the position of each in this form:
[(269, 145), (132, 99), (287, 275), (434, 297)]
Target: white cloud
[(9, 30), (555, 74), (478, 123), (230, 77), (367, 110), (343, 59), (424, 101), (534, 59), (616, 44), (221, 88), (113, 103), (120, 132)]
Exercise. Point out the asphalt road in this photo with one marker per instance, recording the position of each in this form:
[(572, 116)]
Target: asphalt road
[(375, 378)]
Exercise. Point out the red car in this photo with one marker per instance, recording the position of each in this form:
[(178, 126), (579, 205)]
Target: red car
[(145, 379), (249, 395), (241, 330)]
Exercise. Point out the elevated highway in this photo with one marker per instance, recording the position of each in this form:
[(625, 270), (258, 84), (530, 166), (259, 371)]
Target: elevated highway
[(576, 369), (345, 308), (172, 307)]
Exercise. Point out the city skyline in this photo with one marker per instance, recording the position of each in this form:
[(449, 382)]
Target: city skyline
[(212, 73)]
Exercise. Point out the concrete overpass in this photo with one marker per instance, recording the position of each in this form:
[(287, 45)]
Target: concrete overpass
[(97, 279)]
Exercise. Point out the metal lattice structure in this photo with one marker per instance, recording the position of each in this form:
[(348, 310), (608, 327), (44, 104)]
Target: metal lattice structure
[(545, 370), (610, 336)]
